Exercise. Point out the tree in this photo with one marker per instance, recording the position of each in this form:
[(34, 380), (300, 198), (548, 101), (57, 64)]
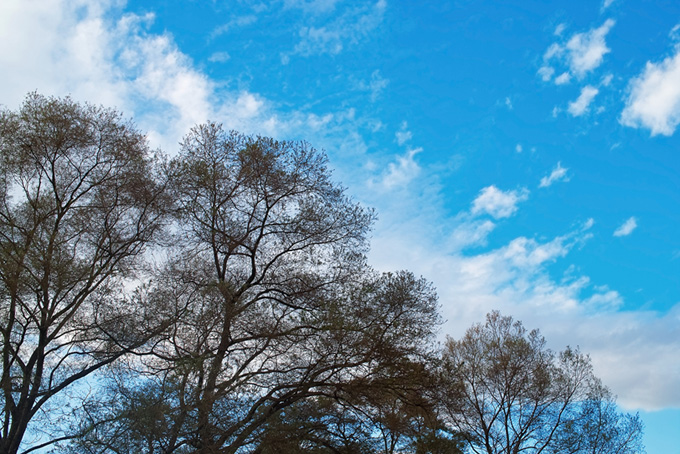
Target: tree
[(507, 393), (279, 304), (598, 427), (79, 202)]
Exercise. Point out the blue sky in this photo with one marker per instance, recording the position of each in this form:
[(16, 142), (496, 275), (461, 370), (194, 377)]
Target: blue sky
[(524, 156)]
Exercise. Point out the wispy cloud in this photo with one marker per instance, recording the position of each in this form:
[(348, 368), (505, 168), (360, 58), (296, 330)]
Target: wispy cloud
[(606, 4), (653, 101), (498, 203), (581, 104), (375, 85), (403, 135), (559, 173), (581, 54), (604, 300), (348, 28), (627, 227), (401, 172), (546, 73), (470, 233), (234, 23), (563, 78), (219, 57)]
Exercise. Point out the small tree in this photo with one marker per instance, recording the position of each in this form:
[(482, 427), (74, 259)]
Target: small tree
[(79, 201), (507, 393)]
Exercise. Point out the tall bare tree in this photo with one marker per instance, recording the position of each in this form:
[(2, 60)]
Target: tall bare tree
[(79, 201), (281, 306), (507, 393)]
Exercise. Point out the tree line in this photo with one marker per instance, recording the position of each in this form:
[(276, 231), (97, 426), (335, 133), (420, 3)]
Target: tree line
[(220, 301)]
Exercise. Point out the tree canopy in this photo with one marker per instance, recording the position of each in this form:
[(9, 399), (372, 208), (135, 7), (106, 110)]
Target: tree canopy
[(507, 393), (221, 302)]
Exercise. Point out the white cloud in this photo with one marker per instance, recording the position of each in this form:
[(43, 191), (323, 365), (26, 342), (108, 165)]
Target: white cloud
[(471, 233), (518, 148), (519, 279), (583, 53), (606, 299), (606, 4), (497, 203), (92, 51), (103, 56), (527, 253), (317, 122), (627, 227), (401, 172), (563, 78), (654, 97), (82, 51), (552, 51), (587, 50), (559, 173), (644, 338), (546, 72), (673, 34), (580, 106), (559, 29)]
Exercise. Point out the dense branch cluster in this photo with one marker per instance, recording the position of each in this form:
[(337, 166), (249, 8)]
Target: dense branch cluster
[(220, 302)]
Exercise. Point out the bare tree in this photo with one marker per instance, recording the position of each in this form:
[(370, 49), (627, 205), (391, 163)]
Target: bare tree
[(507, 393), (79, 201), (281, 306)]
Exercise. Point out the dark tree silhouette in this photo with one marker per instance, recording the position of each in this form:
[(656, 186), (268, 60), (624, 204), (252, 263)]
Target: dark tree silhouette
[(79, 202)]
